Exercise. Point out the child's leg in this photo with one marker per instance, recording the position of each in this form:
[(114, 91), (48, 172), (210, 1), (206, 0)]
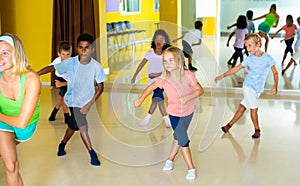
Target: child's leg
[(289, 64), (264, 35), (85, 137), (238, 114), (254, 118), (174, 150), (190, 60), (61, 147), (8, 153), (186, 153), (283, 58), (87, 142), (162, 109)]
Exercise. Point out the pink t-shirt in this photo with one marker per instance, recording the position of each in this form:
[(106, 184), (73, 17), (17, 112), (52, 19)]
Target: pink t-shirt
[(176, 90)]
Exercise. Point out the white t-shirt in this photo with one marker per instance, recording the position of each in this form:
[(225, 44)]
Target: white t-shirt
[(54, 62), (192, 36), (155, 64)]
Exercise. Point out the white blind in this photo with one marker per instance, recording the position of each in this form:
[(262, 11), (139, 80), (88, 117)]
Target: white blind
[(206, 8)]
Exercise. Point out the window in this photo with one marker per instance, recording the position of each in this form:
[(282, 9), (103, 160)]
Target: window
[(130, 6), (156, 5)]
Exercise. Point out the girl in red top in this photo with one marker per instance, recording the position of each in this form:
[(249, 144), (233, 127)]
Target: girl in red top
[(289, 29)]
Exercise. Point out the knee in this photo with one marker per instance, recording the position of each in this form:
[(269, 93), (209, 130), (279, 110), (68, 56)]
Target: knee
[(241, 108), (12, 167)]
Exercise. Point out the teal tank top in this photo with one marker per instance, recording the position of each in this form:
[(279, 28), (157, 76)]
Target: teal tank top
[(12, 107), (270, 19)]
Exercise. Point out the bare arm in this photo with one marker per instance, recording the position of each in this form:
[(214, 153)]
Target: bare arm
[(32, 89), (154, 75), (274, 89), (198, 92), (260, 17), (139, 68), (60, 84), (147, 92), (46, 70), (229, 38), (229, 27), (198, 43), (229, 72), (174, 40), (99, 89), (274, 35)]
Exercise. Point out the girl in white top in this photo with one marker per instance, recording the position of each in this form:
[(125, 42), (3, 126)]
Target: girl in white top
[(160, 42)]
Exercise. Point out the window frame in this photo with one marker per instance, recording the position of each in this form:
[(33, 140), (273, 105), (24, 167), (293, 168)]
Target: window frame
[(124, 9)]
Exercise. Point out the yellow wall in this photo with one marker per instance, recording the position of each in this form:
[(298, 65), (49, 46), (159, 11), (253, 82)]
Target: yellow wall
[(31, 21)]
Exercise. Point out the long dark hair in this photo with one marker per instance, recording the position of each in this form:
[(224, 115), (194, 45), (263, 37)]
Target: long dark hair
[(166, 36)]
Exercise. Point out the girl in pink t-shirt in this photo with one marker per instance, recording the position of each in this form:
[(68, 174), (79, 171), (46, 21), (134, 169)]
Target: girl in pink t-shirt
[(181, 88), (289, 29)]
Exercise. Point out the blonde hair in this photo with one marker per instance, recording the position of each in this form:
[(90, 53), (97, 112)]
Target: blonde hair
[(19, 58), (254, 37), (179, 61)]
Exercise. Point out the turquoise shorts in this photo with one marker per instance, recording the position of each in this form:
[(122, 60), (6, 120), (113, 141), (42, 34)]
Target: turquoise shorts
[(264, 28), (21, 134)]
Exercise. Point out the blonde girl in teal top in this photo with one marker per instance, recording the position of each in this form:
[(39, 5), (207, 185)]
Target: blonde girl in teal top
[(19, 103), (271, 20)]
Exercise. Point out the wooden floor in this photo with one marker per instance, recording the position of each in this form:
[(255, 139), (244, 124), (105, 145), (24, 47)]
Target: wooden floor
[(132, 155)]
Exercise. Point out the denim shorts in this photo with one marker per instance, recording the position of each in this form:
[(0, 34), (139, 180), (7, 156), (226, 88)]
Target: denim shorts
[(180, 126), (21, 134)]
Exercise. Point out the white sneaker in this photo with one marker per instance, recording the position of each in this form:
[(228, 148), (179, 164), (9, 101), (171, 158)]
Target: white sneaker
[(167, 121), (145, 122), (168, 165), (191, 175)]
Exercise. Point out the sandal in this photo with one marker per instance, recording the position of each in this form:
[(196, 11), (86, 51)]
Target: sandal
[(256, 134), (226, 128)]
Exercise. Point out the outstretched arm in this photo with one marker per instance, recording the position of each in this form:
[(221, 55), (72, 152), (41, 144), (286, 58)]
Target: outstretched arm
[(260, 17), (139, 68), (46, 70), (147, 92), (229, 27), (275, 75), (229, 72), (32, 89), (274, 35), (198, 43), (174, 40)]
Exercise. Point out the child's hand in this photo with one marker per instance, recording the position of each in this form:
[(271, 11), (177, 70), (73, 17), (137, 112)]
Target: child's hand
[(85, 109), (274, 90), (174, 40), (227, 44), (218, 78), (137, 103), (281, 40), (182, 100)]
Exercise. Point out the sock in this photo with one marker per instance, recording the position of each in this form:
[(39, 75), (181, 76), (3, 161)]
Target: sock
[(53, 114), (61, 149), (167, 121), (94, 158), (148, 116), (67, 116)]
